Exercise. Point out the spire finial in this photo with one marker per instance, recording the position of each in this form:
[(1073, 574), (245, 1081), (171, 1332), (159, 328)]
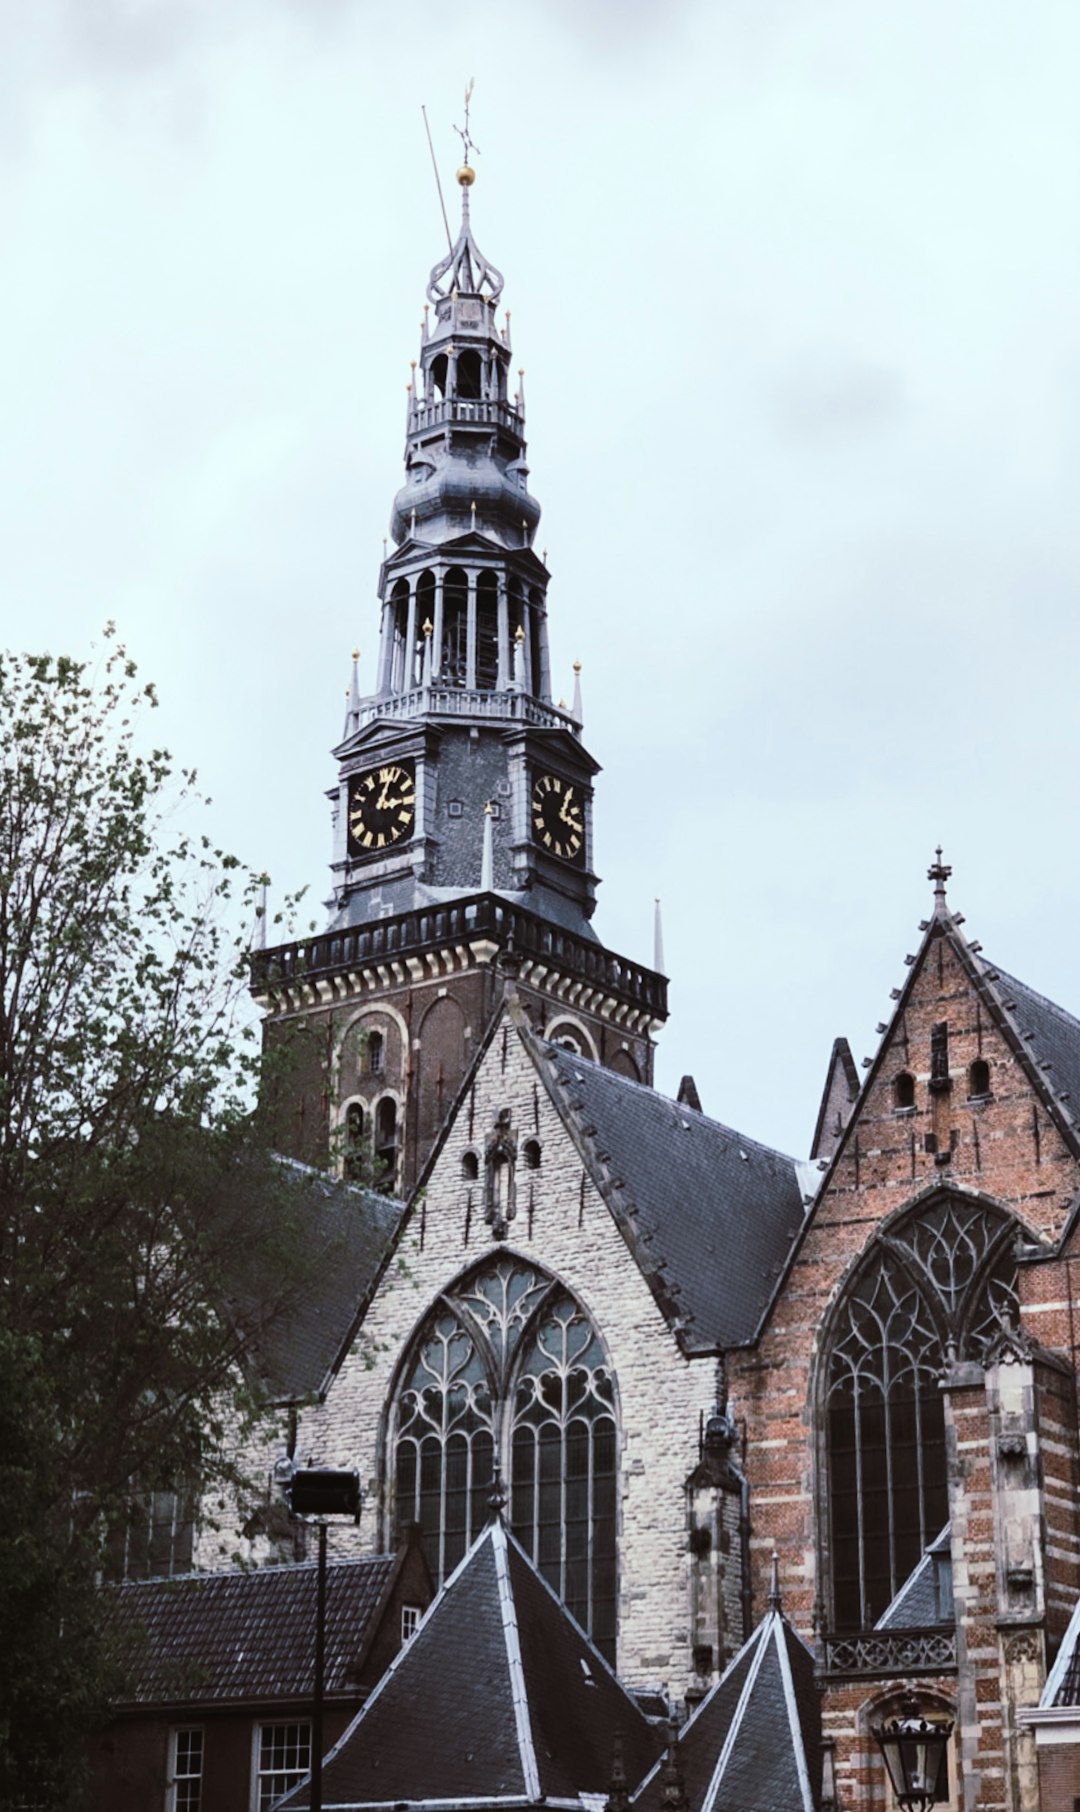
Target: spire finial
[(658, 938), (775, 1600), (618, 1799), (467, 175), (673, 1787), (939, 872), (576, 710), (497, 1495)]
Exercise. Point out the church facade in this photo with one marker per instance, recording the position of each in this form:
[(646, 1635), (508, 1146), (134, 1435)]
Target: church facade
[(705, 1378)]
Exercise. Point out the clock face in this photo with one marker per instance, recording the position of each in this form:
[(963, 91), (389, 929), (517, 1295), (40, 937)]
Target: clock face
[(558, 816), (382, 807)]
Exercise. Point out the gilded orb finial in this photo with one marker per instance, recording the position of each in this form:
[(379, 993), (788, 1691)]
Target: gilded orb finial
[(356, 654), (429, 627), (519, 634), (466, 176), (577, 666)]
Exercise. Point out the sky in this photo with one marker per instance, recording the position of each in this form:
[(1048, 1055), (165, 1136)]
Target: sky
[(794, 285)]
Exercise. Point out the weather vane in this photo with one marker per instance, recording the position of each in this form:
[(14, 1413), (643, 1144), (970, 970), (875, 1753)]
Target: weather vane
[(468, 144)]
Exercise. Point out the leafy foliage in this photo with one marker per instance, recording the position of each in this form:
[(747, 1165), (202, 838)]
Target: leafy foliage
[(147, 1241)]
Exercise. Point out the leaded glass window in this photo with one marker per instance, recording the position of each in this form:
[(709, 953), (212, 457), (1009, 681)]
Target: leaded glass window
[(943, 1278), (508, 1365)]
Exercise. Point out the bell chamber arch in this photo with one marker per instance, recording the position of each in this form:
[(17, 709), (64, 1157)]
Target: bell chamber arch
[(507, 1366), (936, 1283)]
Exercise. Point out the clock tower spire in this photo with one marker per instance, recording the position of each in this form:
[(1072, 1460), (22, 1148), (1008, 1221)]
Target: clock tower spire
[(461, 714), (462, 814)]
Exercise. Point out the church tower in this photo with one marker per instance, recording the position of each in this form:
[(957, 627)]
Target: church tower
[(463, 809)]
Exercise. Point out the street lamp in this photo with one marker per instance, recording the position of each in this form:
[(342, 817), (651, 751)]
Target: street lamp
[(916, 1752), (317, 1493)]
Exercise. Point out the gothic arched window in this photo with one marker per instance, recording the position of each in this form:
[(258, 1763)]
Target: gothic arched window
[(508, 1365), (943, 1277)]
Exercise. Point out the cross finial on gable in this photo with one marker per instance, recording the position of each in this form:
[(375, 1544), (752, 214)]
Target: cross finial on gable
[(939, 872)]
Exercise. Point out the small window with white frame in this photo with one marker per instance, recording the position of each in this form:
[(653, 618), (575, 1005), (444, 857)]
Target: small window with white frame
[(410, 1622), (185, 1770), (282, 1760)]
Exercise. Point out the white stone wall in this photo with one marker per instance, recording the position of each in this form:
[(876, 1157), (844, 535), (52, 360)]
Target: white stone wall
[(660, 1394)]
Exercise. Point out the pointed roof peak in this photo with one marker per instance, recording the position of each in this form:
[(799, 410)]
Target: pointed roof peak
[(465, 271), (939, 872)]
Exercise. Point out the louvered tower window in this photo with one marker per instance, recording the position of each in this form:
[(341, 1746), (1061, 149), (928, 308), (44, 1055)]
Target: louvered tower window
[(946, 1274), (509, 1365)]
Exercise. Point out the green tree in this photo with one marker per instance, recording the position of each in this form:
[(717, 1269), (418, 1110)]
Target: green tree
[(148, 1243)]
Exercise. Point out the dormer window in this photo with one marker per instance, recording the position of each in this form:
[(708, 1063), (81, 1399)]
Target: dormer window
[(978, 1079), (904, 1091)]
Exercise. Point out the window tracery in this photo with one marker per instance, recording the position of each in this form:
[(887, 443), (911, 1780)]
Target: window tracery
[(941, 1282), (508, 1366)]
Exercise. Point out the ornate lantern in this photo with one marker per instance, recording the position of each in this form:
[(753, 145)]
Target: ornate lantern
[(916, 1752)]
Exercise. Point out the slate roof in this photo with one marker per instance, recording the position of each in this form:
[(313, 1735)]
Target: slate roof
[(754, 1742), (709, 1214), (222, 1638), (499, 1695), (1055, 1033), (1062, 1687), (351, 1230), (916, 1605)]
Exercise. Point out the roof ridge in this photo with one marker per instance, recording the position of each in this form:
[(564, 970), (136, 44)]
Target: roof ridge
[(737, 1716), (519, 1692), (780, 1634)]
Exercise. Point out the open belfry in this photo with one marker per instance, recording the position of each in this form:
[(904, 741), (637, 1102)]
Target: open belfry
[(728, 1467)]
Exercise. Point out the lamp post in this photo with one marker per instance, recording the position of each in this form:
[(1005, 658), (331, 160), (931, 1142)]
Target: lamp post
[(916, 1751), (316, 1493)]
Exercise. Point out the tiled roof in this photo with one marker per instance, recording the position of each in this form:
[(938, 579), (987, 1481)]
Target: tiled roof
[(217, 1638), (754, 1743), (709, 1214), (917, 1604), (498, 1695), (351, 1229)]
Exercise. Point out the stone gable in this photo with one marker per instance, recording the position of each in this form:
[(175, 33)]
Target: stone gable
[(562, 1223)]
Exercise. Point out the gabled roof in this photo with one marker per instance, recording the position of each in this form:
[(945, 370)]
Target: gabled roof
[(709, 1214), (220, 1638), (353, 1230), (837, 1098), (499, 1695), (754, 1742), (1037, 1031)]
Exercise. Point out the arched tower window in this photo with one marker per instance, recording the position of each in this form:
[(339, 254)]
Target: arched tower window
[(508, 1364), (944, 1275), (402, 654), (376, 1053), (354, 1142), (386, 1143), (487, 632), (469, 371), (425, 613), (453, 667)]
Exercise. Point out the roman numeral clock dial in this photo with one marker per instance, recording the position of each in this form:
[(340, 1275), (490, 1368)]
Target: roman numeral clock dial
[(382, 807), (558, 817)]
